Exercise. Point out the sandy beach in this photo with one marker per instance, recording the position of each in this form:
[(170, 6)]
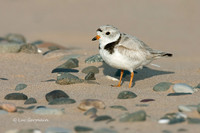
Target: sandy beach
[(171, 26)]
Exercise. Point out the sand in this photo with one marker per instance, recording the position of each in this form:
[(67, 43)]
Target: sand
[(171, 26)]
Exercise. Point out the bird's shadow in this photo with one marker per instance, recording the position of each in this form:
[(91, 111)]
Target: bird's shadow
[(140, 74)]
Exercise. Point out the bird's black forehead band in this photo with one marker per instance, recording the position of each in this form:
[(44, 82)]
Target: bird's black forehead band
[(99, 30)]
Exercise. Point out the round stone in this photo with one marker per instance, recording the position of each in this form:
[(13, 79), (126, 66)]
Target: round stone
[(20, 87), (183, 88), (71, 63), (163, 86), (94, 58), (118, 107), (30, 101), (91, 103), (89, 69), (62, 100), (17, 38), (90, 76), (16, 96), (102, 118), (29, 48), (8, 107), (55, 94), (126, 95), (132, 117), (105, 130), (82, 129), (6, 47), (67, 78)]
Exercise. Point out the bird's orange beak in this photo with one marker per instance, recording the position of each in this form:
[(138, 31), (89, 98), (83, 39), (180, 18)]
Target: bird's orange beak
[(96, 38)]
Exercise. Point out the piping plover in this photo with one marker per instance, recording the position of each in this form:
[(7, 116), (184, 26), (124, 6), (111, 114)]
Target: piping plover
[(123, 51)]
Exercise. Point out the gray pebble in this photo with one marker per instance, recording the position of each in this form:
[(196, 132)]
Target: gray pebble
[(132, 117), (20, 87), (166, 131), (94, 58), (38, 42), (183, 108), (198, 86), (6, 47), (91, 112), (49, 111), (57, 130), (178, 94), (183, 88), (30, 101), (163, 86), (82, 129), (87, 104), (3, 112), (16, 96), (67, 78), (71, 63), (55, 94), (102, 118), (62, 100), (90, 76), (16, 38), (105, 130), (118, 107), (88, 69), (29, 49), (126, 95), (172, 118), (198, 108), (67, 57), (24, 131), (193, 120)]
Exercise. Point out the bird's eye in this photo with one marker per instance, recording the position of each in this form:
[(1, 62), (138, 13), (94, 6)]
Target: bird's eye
[(107, 33)]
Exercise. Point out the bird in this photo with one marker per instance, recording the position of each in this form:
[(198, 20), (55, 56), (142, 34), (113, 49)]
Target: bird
[(124, 51)]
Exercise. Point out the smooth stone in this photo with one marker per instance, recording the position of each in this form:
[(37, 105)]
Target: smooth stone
[(29, 48), (94, 58), (179, 94), (67, 78), (198, 86), (3, 79), (30, 101), (59, 101), (132, 117), (91, 103), (118, 107), (183, 88), (91, 112), (183, 108), (102, 118), (126, 95), (182, 130), (55, 94), (163, 86), (166, 131), (147, 100), (90, 76), (6, 47), (41, 107), (73, 56), (82, 129), (24, 131), (16, 96), (20, 87), (17, 38), (52, 48), (57, 130), (88, 69), (71, 63), (105, 130), (198, 108), (8, 107), (173, 118), (3, 112), (141, 105), (26, 108), (193, 120), (49, 111), (54, 54), (38, 42)]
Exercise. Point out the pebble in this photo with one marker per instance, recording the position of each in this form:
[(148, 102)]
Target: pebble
[(198, 108), (102, 118), (198, 86), (62, 100), (49, 111), (16, 96), (57, 130), (89, 69), (142, 105), (132, 117), (55, 94), (52, 48), (118, 107), (26, 108), (71, 63), (163, 86), (73, 56), (67, 78), (183, 108), (6, 47), (166, 131), (178, 94), (31, 100), (126, 95), (91, 112), (90, 103), (54, 54), (105, 130), (29, 49), (90, 76), (20, 87), (183, 88), (8, 107), (94, 58), (24, 131), (193, 120), (16, 38), (147, 100), (3, 112), (173, 118), (82, 129), (3, 79), (38, 42)]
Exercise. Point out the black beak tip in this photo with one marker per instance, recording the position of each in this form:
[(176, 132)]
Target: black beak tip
[(94, 39)]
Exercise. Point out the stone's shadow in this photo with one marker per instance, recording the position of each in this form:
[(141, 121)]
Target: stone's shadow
[(50, 80), (3, 79), (140, 74), (59, 70)]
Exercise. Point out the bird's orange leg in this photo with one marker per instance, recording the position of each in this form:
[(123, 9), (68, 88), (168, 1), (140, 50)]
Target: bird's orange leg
[(119, 84), (131, 79)]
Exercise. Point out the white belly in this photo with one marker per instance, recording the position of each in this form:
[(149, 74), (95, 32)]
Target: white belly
[(119, 61)]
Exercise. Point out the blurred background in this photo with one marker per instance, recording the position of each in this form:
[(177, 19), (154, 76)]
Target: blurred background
[(170, 25)]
